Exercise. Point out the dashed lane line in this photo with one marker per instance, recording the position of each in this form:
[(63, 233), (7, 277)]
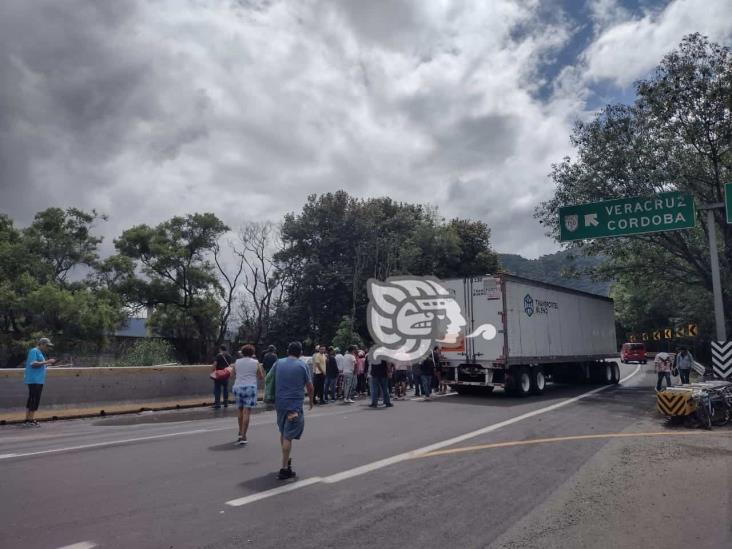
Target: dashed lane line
[(380, 464)]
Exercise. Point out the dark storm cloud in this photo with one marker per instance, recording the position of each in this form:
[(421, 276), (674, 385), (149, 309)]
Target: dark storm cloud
[(145, 110), (478, 142)]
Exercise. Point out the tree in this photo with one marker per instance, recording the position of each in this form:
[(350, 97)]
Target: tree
[(476, 256), (345, 336), (63, 240), (263, 282), (229, 284), (677, 135), (37, 296), (336, 243), (179, 280)]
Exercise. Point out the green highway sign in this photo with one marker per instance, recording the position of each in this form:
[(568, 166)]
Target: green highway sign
[(669, 211), (728, 200)]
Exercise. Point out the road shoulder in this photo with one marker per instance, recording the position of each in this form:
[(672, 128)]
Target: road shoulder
[(639, 492)]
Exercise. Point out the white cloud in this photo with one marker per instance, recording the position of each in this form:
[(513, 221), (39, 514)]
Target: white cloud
[(605, 13), (629, 49), (150, 109), (246, 108)]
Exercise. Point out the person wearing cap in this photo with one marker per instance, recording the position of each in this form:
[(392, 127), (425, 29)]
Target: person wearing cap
[(35, 377), (269, 358)]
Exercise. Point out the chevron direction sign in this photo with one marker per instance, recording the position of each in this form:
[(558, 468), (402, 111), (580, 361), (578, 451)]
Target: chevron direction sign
[(722, 358)]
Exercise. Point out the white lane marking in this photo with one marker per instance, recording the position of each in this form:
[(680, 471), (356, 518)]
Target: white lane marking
[(109, 443), (80, 545), (274, 491), (141, 439), (369, 467)]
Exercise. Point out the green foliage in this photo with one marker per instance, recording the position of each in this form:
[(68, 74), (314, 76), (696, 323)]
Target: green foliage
[(179, 278), (36, 297), (62, 240), (336, 243), (147, 352), (565, 268), (345, 336), (677, 135)]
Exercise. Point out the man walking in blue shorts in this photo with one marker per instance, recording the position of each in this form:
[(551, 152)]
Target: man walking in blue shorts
[(291, 375)]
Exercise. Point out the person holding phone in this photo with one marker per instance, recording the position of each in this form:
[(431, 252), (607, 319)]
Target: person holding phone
[(35, 377)]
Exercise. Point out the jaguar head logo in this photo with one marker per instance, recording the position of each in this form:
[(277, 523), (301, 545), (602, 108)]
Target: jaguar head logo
[(408, 316)]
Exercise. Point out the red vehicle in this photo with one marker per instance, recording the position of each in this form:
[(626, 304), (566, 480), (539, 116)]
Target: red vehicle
[(633, 352)]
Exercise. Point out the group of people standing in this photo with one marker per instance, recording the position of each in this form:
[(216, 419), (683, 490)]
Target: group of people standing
[(350, 375)]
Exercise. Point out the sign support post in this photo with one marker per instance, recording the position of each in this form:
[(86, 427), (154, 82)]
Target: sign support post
[(720, 346), (716, 282)]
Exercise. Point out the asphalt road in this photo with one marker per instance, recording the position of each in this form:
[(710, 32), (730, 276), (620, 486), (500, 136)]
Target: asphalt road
[(460, 471)]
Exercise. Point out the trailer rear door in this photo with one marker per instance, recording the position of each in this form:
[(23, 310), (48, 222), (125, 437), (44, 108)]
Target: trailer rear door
[(486, 307), (480, 301)]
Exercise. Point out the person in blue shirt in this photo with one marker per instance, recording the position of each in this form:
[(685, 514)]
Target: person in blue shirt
[(35, 377), (291, 376)]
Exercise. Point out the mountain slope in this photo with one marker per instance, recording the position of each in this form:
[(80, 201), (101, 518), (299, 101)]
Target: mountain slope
[(564, 268)]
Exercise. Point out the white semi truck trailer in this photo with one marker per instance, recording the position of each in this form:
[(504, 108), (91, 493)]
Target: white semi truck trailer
[(544, 332)]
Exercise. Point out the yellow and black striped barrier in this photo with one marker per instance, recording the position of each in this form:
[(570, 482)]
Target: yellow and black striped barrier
[(676, 402)]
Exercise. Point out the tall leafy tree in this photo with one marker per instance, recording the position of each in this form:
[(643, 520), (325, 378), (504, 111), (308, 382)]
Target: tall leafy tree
[(174, 274), (337, 242), (43, 288), (677, 135)]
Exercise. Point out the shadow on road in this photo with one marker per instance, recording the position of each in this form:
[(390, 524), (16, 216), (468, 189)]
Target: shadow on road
[(265, 482), (167, 416), (224, 447), (499, 398)]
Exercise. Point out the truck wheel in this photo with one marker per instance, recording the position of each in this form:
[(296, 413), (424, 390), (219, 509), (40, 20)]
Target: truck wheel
[(607, 373), (522, 382), (538, 381), (615, 375)]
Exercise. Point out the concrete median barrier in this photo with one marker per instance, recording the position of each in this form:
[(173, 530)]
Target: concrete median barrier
[(77, 387)]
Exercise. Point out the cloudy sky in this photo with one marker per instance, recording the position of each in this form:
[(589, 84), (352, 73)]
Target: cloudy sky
[(146, 109)]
